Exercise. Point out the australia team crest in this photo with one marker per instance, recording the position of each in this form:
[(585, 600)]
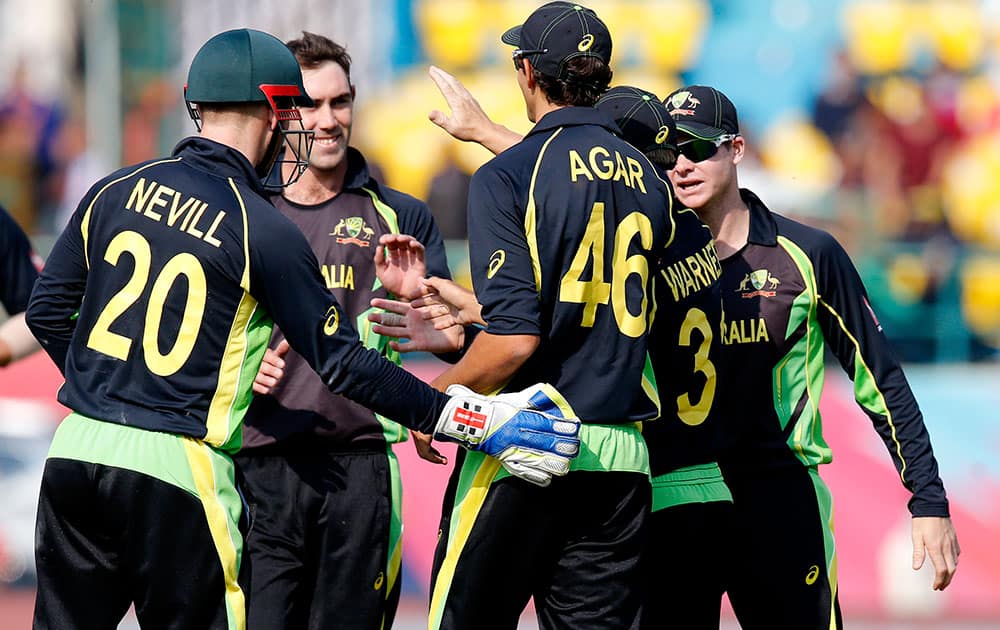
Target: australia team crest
[(354, 231), (762, 281)]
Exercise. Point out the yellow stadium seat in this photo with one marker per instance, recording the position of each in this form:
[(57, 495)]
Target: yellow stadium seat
[(794, 150), (955, 31), (900, 98), (980, 278), (880, 35), (670, 33), (908, 278), (971, 191), (452, 31)]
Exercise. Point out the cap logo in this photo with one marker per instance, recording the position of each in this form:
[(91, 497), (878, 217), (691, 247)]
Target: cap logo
[(586, 43), (661, 135), (680, 100)]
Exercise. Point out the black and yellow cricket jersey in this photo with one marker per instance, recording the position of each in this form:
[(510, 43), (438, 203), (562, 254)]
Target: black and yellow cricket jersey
[(18, 265), (791, 289), (685, 349), (157, 303), (565, 229), (343, 232)]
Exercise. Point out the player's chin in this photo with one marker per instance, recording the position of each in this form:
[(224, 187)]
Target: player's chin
[(692, 196)]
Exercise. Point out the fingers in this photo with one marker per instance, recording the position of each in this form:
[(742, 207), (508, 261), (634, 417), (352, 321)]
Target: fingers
[(425, 448), (400, 242), (445, 82), (945, 572), (393, 306), (282, 349), (440, 119), (942, 572), (270, 373), (935, 537), (399, 332), (918, 550)]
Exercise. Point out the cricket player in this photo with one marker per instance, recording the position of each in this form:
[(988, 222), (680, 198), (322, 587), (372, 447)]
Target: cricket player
[(691, 501), (327, 538), (788, 290), (157, 303), (565, 230)]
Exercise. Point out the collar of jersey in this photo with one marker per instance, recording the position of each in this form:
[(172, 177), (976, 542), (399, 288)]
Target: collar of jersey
[(763, 228), (568, 116), (358, 176), (219, 160)]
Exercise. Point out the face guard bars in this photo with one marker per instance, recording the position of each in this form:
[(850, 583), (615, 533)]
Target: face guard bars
[(288, 141), (297, 142)]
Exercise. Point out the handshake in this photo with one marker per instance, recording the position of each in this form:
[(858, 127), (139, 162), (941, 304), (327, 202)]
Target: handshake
[(527, 431)]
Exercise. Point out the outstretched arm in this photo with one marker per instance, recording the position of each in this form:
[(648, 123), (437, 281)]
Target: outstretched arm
[(468, 122)]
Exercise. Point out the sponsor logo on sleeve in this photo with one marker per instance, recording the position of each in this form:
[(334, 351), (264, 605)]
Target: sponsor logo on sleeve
[(497, 259), (332, 322)]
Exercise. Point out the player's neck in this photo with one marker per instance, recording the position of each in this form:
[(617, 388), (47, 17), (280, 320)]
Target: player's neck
[(316, 187), (241, 139), (729, 220)]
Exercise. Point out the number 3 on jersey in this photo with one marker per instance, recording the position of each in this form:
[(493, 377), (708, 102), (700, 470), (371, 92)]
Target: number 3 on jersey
[(694, 413), (597, 291), (112, 344)]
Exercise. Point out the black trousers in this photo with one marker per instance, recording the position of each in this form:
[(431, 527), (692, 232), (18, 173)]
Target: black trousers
[(574, 546), (686, 566), (108, 537), (783, 568), (321, 538)]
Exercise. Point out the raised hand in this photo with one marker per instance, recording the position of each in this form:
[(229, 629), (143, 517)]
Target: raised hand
[(272, 369), (468, 121), (400, 263)]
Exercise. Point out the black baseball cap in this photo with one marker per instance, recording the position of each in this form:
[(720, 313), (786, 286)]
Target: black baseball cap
[(644, 120), (558, 32), (703, 112)]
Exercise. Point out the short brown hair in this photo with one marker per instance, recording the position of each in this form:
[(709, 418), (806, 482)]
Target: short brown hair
[(312, 50), (587, 79)]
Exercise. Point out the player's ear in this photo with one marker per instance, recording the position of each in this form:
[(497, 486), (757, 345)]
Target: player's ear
[(529, 73), (739, 149)]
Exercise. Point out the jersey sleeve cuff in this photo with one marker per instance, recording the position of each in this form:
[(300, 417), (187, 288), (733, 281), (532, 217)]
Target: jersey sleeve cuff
[(929, 508)]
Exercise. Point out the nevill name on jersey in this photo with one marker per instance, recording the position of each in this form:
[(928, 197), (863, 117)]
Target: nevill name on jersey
[(175, 209)]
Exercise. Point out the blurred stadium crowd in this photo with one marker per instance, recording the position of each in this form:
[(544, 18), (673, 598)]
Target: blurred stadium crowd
[(876, 120)]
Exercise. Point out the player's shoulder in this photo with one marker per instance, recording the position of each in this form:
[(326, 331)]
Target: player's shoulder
[(814, 241), (400, 202)]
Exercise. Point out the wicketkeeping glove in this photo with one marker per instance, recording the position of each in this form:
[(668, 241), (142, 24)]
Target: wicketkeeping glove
[(525, 430)]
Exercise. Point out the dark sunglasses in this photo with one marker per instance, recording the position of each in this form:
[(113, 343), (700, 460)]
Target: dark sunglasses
[(698, 150), (519, 54)]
